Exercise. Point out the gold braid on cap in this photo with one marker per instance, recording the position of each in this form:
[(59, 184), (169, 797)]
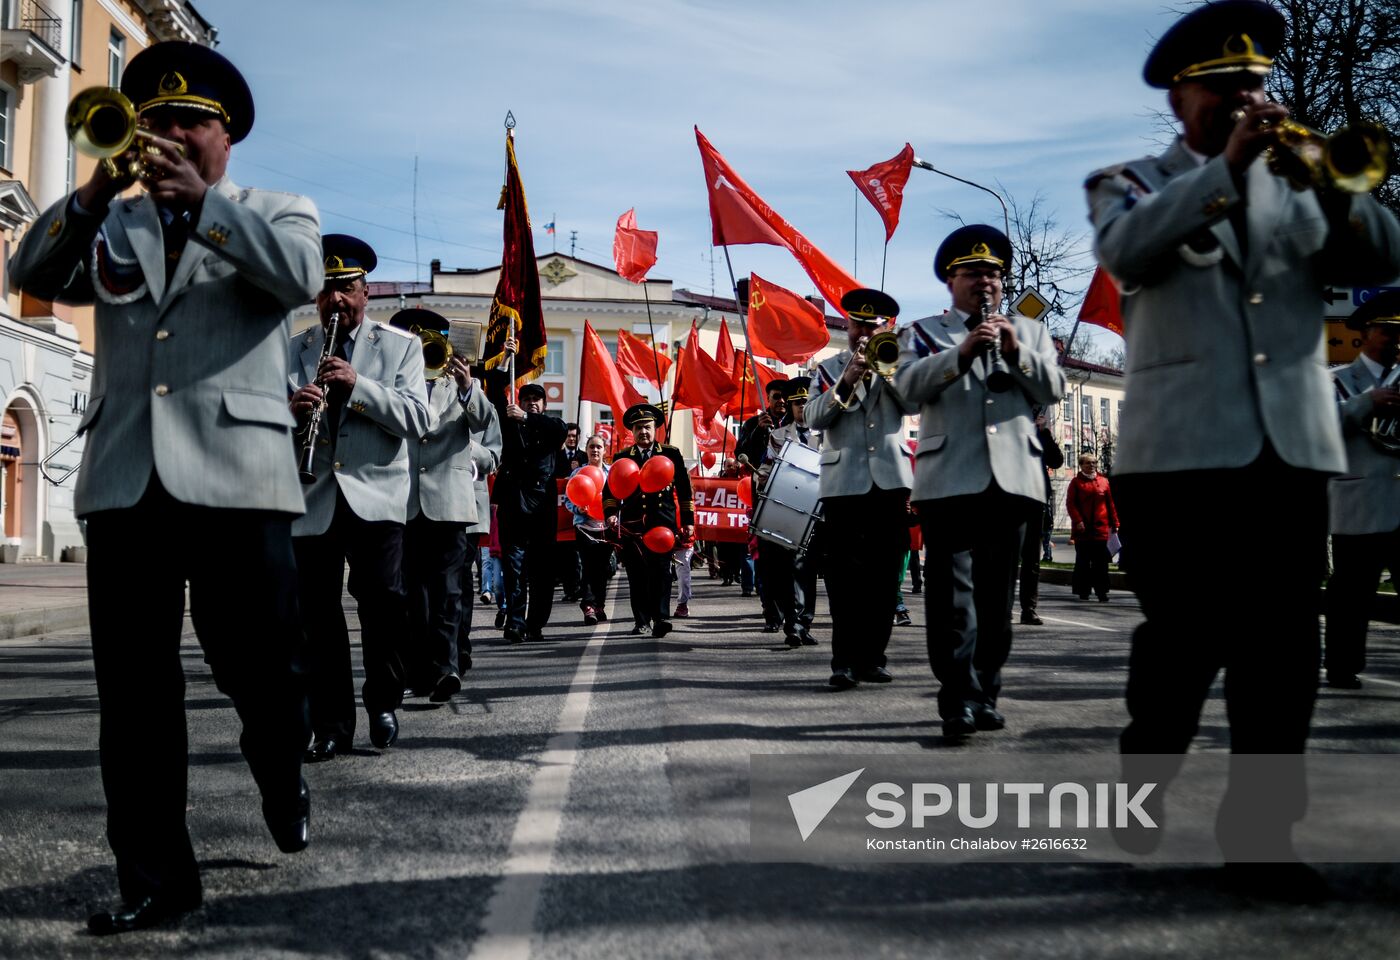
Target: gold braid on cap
[(981, 253), (1237, 53)]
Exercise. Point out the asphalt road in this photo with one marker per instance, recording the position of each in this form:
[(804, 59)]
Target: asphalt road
[(588, 796)]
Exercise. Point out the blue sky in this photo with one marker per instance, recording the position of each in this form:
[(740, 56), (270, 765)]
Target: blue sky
[(1031, 95)]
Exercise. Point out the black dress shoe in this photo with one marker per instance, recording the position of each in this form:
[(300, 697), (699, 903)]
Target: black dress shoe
[(793, 640), (960, 724), (447, 685), (843, 679), (987, 718), (383, 729), (661, 628), (513, 635), (322, 749), (772, 627), (1031, 618), (1349, 681), (291, 829), (808, 640), (641, 629), (874, 675), (534, 634), (146, 912), (500, 619)]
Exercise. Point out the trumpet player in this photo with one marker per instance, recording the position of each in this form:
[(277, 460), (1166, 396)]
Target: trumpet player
[(1222, 265), (976, 374), (1364, 503), (864, 487), (186, 438), (372, 384)]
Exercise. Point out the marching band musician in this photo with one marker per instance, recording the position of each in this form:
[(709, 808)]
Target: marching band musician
[(187, 431), (377, 405), (486, 457), (1222, 266), (628, 520), (978, 472), (1364, 503), (789, 578), (441, 502), (864, 486)]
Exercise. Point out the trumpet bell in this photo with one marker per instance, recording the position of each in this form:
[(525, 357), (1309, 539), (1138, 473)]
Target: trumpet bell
[(1355, 159), (101, 122), (436, 351), (882, 353)]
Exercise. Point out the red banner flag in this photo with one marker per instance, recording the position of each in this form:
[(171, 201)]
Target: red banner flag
[(637, 358), (883, 185), (516, 310), (783, 325), (724, 347), (634, 251), (599, 379), (738, 215), (701, 384), (1102, 303), (752, 383), (714, 438)]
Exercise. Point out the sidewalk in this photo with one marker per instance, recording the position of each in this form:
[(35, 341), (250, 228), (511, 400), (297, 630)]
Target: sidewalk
[(42, 598)]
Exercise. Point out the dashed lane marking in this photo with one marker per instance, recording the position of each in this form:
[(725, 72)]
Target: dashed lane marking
[(1077, 623)]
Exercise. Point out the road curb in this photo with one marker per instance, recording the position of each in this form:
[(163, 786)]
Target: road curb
[(28, 623)]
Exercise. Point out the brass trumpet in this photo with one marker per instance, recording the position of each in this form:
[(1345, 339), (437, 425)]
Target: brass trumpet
[(436, 351), (882, 353), (102, 123), (1354, 159)]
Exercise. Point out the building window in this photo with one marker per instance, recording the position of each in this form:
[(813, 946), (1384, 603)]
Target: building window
[(75, 35), (7, 124), (554, 358), (116, 57), (1120, 412), (1103, 412), (1067, 410), (1086, 410)]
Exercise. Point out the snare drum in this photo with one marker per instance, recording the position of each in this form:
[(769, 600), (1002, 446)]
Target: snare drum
[(787, 509)]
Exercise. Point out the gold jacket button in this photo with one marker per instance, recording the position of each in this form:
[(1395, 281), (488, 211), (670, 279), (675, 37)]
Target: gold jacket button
[(162, 334), (162, 390), (337, 465), (992, 428), (1256, 298), (424, 440), (871, 449), (1260, 359)]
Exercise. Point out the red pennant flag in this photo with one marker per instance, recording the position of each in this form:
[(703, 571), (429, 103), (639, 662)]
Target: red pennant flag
[(516, 309), (724, 348), (738, 215), (599, 379), (752, 387), (637, 358), (715, 438), (634, 251), (883, 185), (1102, 303), (783, 325), (701, 384)]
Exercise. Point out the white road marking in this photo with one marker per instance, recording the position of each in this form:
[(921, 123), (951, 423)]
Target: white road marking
[(1076, 623), (510, 914)]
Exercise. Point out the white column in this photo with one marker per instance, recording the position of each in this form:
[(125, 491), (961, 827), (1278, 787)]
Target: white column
[(48, 150)]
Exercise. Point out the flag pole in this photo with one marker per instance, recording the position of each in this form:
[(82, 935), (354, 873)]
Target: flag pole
[(743, 312), (660, 383), (884, 258), (675, 386)]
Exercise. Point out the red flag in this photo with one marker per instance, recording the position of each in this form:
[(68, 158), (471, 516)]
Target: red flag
[(516, 310), (714, 438), (637, 358), (783, 325), (752, 387), (738, 215), (883, 185), (599, 379), (724, 348), (1102, 303), (701, 384), (634, 251)]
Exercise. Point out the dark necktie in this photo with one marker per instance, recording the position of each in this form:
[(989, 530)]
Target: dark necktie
[(802, 435), (175, 231)]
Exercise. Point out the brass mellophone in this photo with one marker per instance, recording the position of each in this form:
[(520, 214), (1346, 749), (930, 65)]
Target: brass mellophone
[(306, 462)]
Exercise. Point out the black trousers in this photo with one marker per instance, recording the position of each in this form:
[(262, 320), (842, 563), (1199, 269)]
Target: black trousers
[(1090, 567), (593, 554), (1269, 650), (1357, 562), (243, 605), (374, 551), (435, 555), (866, 537), (648, 581), (790, 582), (1030, 559), (528, 546), (464, 624), (974, 546)]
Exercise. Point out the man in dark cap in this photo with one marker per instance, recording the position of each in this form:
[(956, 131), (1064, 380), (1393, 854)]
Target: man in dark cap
[(1222, 267), (441, 503), (376, 408), (1364, 503), (527, 502), (864, 487), (629, 518), (978, 374), (187, 434), (790, 578)]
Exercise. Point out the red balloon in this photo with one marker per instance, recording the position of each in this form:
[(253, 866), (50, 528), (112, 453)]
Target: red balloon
[(595, 507), (596, 473), (746, 491), (580, 490), (708, 459), (623, 477), (660, 539), (657, 474)]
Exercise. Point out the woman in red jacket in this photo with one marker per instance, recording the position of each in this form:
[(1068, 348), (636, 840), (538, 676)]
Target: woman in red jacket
[(1092, 520)]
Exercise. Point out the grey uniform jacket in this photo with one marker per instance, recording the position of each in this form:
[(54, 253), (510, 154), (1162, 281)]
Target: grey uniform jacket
[(1225, 350), (486, 457), (1366, 499), (189, 378), (368, 459), (441, 474), (969, 435), (777, 438), (862, 446)]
